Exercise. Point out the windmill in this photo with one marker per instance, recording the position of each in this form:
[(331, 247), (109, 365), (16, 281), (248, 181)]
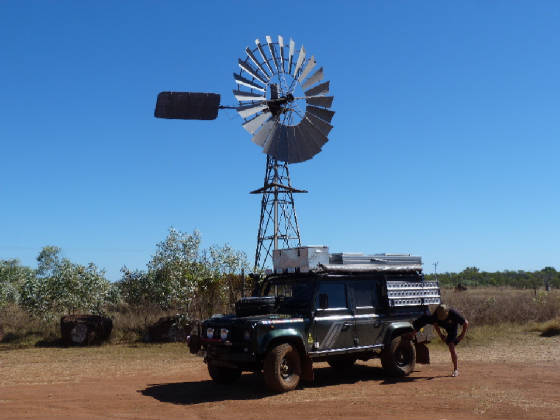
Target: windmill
[(285, 105)]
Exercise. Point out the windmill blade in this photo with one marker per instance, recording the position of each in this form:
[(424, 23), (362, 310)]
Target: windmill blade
[(257, 63), (294, 151), (277, 146), (265, 59), (282, 59), (319, 90), (247, 67), (187, 105), (248, 110), (307, 145), (253, 125), (291, 55), (272, 52), (316, 77), (247, 96), (323, 127), (325, 101), (324, 114), (312, 134), (308, 67), (299, 61), (273, 145), (246, 82), (265, 133)]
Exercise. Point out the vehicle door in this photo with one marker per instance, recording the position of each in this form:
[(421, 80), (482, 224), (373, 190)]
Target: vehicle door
[(368, 318), (333, 324)]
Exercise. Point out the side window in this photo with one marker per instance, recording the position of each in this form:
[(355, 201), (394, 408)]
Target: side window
[(336, 293), (365, 293)]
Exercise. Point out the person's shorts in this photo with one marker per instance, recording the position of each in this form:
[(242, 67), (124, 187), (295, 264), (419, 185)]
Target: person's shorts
[(452, 337)]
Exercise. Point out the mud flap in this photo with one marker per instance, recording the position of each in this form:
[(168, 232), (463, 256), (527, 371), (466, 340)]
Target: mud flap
[(307, 370), (422, 353), (193, 341)]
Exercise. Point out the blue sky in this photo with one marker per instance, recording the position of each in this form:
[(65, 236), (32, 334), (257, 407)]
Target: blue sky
[(445, 141)]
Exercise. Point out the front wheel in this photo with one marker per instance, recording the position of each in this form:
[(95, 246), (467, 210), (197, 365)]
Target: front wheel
[(223, 375), (399, 358), (282, 368)]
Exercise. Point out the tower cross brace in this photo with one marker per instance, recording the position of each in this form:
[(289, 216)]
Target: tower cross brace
[(278, 220)]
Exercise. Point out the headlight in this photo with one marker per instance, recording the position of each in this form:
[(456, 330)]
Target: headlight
[(210, 332), (224, 333), (247, 335)]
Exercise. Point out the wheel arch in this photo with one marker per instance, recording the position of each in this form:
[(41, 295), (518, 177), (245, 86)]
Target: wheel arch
[(396, 329), (289, 336)]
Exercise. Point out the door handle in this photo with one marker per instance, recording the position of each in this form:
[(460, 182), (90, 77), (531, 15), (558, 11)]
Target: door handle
[(346, 325)]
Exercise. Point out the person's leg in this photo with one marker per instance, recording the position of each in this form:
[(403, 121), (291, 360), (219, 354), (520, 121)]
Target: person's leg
[(453, 358)]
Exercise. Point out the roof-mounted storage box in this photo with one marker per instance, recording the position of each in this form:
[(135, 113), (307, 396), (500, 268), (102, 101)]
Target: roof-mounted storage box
[(299, 260), (384, 259)]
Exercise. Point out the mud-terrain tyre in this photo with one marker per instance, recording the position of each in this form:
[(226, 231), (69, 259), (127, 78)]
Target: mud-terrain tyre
[(399, 358), (341, 363), (282, 368), (223, 375)]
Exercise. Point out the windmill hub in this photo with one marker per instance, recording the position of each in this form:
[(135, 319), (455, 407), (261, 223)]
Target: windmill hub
[(283, 100), (277, 106)]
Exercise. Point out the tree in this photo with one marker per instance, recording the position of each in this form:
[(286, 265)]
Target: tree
[(62, 287), (227, 265), (470, 276), (549, 274), (12, 276), (172, 275), (182, 276)]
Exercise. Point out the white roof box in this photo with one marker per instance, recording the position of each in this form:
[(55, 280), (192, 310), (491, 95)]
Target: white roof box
[(384, 259), (299, 260), (307, 258)]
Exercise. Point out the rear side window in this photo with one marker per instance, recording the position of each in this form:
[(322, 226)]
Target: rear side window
[(335, 291), (365, 293)]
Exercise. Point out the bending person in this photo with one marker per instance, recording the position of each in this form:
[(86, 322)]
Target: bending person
[(448, 319)]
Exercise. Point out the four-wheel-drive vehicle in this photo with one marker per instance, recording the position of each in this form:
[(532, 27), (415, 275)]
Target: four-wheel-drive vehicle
[(339, 309)]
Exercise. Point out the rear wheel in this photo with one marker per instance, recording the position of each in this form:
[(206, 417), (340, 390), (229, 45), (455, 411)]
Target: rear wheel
[(399, 358), (282, 368), (341, 363), (223, 375)]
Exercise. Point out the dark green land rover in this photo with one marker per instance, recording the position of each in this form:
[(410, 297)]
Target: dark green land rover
[(338, 309)]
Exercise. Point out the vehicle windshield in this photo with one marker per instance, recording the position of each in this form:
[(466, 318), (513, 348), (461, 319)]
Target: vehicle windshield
[(293, 293)]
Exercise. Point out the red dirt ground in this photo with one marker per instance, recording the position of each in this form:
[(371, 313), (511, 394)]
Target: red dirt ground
[(178, 386)]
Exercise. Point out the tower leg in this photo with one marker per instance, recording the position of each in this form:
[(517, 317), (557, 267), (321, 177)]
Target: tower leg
[(278, 225)]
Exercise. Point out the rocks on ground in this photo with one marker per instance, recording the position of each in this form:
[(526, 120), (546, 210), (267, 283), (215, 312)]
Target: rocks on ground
[(85, 330), (169, 329)]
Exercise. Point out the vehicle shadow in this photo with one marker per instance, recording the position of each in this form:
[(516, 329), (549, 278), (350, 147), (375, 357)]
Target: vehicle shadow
[(251, 386), (327, 376), (248, 387)]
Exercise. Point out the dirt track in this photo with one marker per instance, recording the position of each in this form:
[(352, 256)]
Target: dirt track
[(166, 383)]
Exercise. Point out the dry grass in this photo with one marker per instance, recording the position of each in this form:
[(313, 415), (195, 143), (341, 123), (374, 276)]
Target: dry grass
[(131, 324), (502, 343), (22, 330), (498, 305), (547, 329), (493, 312)]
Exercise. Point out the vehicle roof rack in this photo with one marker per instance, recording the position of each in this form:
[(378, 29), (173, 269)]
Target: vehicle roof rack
[(317, 258)]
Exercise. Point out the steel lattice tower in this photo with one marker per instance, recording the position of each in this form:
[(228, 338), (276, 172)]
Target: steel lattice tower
[(278, 222)]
